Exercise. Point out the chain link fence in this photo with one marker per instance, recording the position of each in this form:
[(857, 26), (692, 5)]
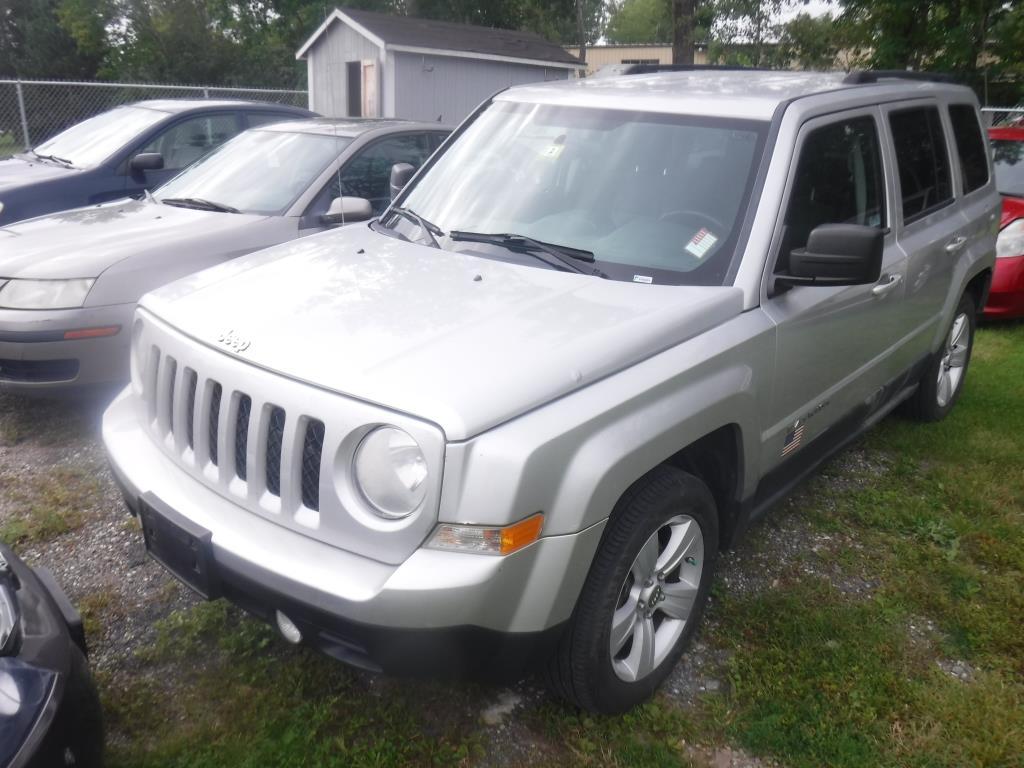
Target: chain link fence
[(32, 111), (1002, 116)]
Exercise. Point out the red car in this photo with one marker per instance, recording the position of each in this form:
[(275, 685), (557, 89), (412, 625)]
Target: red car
[(1007, 295)]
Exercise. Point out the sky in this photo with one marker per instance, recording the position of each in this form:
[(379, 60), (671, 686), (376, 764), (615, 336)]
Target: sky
[(814, 8)]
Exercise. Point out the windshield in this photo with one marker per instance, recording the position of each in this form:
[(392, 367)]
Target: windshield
[(258, 171), (92, 141), (1008, 157), (654, 198)]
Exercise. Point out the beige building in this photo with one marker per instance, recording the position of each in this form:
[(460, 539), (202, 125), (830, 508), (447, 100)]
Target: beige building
[(600, 55)]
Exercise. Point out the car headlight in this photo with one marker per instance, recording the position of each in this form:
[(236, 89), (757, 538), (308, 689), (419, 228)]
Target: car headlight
[(1011, 239), (24, 691), (391, 472), (44, 294), (10, 620)]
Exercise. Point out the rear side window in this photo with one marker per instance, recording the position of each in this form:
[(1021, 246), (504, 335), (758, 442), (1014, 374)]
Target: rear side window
[(922, 160), (839, 180), (970, 146)]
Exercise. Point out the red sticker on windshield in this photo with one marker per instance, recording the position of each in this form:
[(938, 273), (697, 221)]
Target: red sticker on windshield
[(701, 243)]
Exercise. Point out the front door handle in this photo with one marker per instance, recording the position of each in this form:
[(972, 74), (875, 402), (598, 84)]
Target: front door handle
[(956, 244), (883, 288)]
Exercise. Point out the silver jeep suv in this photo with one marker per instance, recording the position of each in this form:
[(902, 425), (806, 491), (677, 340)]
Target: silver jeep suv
[(513, 421)]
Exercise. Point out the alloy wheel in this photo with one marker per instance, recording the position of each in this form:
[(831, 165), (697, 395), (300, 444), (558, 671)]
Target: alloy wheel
[(657, 598), (951, 368)]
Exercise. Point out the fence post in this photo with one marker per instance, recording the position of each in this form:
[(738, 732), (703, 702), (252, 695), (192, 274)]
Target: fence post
[(206, 93), (24, 117)]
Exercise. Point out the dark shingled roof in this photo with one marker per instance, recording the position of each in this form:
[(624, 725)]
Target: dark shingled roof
[(449, 36)]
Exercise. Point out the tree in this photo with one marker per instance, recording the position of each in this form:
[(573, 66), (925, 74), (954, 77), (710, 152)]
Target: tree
[(810, 42), (950, 35), (639, 21), (742, 28), (33, 44), (683, 27)]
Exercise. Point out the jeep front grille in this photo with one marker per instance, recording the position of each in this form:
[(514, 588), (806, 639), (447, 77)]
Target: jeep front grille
[(214, 421), (312, 450), (242, 435), (274, 446), (201, 408), (275, 434)]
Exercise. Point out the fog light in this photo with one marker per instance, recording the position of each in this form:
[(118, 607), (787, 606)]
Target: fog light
[(289, 631)]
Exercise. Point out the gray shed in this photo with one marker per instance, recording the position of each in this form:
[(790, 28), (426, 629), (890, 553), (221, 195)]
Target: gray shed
[(366, 64)]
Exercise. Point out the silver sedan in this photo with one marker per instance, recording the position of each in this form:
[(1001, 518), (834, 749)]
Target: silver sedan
[(69, 281)]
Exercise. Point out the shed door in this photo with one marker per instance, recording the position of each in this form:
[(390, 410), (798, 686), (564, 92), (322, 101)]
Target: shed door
[(354, 76)]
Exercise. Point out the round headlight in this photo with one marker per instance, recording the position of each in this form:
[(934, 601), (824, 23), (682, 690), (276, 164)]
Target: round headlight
[(391, 472)]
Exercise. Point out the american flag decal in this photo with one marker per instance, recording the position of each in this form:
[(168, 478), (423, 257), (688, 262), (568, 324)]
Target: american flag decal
[(793, 438)]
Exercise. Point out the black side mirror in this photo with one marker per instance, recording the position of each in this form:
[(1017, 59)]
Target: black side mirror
[(400, 175), (836, 254), (147, 161)]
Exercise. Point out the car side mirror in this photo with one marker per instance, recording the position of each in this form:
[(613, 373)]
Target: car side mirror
[(147, 161), (400, 175), (346, 210), (836, 254)]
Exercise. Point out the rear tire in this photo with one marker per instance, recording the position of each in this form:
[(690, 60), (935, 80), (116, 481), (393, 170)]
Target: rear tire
[(943, 379), (643, 597)]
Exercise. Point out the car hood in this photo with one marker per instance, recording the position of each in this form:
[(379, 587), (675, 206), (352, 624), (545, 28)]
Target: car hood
[(85, 242), (16, 173), (462, 341)]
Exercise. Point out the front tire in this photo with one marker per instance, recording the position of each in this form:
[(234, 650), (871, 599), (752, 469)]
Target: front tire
[(643, 597), (943, 379)]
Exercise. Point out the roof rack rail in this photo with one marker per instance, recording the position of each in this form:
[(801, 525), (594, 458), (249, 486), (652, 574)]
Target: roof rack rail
[(865, 76), (614, 70)]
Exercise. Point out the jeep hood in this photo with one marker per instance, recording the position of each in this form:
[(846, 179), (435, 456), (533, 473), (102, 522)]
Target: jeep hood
[(462, 341), (85, 242)]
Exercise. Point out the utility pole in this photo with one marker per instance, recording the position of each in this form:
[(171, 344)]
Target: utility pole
[(682, 31)]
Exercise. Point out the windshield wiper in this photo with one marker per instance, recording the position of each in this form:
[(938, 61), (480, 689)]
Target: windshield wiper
[(557, 256), (53, 158), (199, 204), (432, 230)]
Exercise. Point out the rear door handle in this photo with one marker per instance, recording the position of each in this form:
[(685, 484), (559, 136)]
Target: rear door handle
[(956, 244), (883, 288)]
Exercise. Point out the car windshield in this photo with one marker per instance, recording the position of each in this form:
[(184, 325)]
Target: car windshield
[(92, 141), (1008, 157), (258, 171), (653, 197)]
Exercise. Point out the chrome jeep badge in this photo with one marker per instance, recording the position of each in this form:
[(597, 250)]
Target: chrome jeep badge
[(233, 341)]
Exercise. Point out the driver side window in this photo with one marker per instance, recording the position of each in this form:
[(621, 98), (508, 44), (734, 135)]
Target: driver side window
[(189, 140), (839, 180), (368, 174)]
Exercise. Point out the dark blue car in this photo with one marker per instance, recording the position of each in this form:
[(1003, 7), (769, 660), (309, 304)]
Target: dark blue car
[(123, 152)]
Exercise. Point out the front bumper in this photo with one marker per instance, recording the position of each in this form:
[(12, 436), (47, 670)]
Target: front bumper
[(56, 711), (437, 612), (34, 357), (1006, 297)]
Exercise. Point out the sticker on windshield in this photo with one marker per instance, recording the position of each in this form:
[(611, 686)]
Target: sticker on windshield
[(701, 243), (643, 279), (553, 151)]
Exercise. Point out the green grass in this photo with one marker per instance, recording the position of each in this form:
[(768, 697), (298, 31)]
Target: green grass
[(818, 679), (246, 700), (45, 505), (815, 676), (8, 145)]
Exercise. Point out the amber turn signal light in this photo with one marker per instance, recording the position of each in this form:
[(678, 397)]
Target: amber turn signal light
[(488, 541)]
